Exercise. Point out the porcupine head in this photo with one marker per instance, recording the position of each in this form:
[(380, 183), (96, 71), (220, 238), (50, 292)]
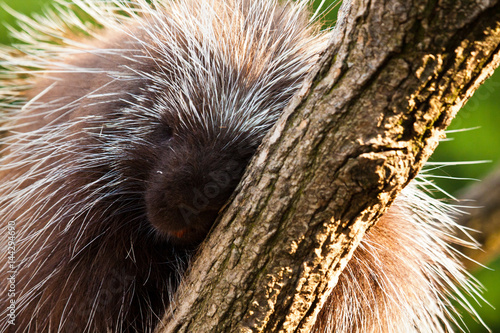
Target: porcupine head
[(126, 136)]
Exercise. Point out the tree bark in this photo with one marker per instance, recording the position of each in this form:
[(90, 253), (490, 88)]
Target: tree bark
[(369, 116)]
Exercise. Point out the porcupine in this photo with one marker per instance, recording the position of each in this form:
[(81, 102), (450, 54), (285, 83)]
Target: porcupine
[(115, 128)]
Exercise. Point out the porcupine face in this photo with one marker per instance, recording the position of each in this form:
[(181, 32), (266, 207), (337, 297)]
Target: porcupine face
[(188, 185), (202, 132), (201, 157), (200, 149)]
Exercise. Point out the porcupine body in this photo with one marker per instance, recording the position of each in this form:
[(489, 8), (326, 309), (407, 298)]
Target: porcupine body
[(125, 138)]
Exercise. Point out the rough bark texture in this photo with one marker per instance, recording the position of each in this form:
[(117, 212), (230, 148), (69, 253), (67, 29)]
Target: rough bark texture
[(394, 76), (482, 213)]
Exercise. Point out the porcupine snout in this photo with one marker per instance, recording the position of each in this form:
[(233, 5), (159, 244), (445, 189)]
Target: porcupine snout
[(189, 185)]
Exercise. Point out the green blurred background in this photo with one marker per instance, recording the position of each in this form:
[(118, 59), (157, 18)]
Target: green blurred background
[(482, 143)]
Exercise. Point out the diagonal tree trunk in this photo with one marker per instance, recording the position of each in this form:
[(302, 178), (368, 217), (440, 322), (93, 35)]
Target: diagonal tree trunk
[(395, 74)]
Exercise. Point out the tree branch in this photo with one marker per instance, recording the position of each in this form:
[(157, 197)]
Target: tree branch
[(368, 118)]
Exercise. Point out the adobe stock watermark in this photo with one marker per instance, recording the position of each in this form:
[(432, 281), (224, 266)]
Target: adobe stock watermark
[(112, 289), (220, 180), (490, 88), (11, 273)]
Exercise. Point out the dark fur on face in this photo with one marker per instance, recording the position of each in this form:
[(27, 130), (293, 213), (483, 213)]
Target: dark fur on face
[(188, 184)]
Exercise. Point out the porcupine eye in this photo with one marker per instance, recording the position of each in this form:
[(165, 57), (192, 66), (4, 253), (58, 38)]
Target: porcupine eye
[(189, 185)]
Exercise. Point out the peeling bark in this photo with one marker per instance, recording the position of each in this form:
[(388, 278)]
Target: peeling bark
[(369, 116)]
